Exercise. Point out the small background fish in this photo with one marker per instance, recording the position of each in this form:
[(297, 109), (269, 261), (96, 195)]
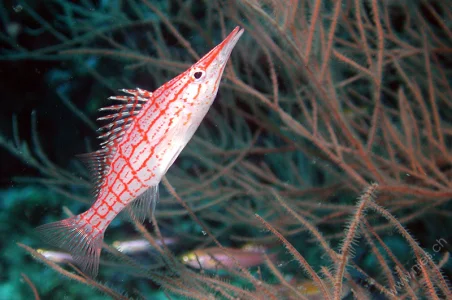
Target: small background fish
[(215, 258)]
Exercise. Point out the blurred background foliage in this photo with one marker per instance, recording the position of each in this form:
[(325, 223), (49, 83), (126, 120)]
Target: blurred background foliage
[(322, 98)]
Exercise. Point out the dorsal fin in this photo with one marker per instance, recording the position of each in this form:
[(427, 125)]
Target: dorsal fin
[(95, 161), (112, 133), (122, 117)]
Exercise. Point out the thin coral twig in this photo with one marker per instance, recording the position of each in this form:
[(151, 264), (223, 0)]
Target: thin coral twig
[(351, 232), (303, 263), (31, 285)]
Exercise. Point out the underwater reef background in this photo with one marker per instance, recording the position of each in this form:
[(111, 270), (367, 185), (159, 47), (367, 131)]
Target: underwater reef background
[(322, 171)]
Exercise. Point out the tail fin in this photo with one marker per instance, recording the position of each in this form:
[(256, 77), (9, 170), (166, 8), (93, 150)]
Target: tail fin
[(75, 235)]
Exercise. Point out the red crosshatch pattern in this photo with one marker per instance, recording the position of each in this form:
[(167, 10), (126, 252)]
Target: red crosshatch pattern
[(146, 134)]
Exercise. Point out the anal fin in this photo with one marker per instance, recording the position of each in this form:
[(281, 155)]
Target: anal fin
[(144, 205)]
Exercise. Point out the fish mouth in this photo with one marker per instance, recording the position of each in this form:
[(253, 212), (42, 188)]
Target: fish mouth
[(229, 43), (219, 55)]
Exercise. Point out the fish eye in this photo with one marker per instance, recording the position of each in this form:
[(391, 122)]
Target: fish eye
[(198, 75), (188, 257)]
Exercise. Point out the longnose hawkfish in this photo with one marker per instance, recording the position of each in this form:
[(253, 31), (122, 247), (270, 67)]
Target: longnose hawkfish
[(146, 134)]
